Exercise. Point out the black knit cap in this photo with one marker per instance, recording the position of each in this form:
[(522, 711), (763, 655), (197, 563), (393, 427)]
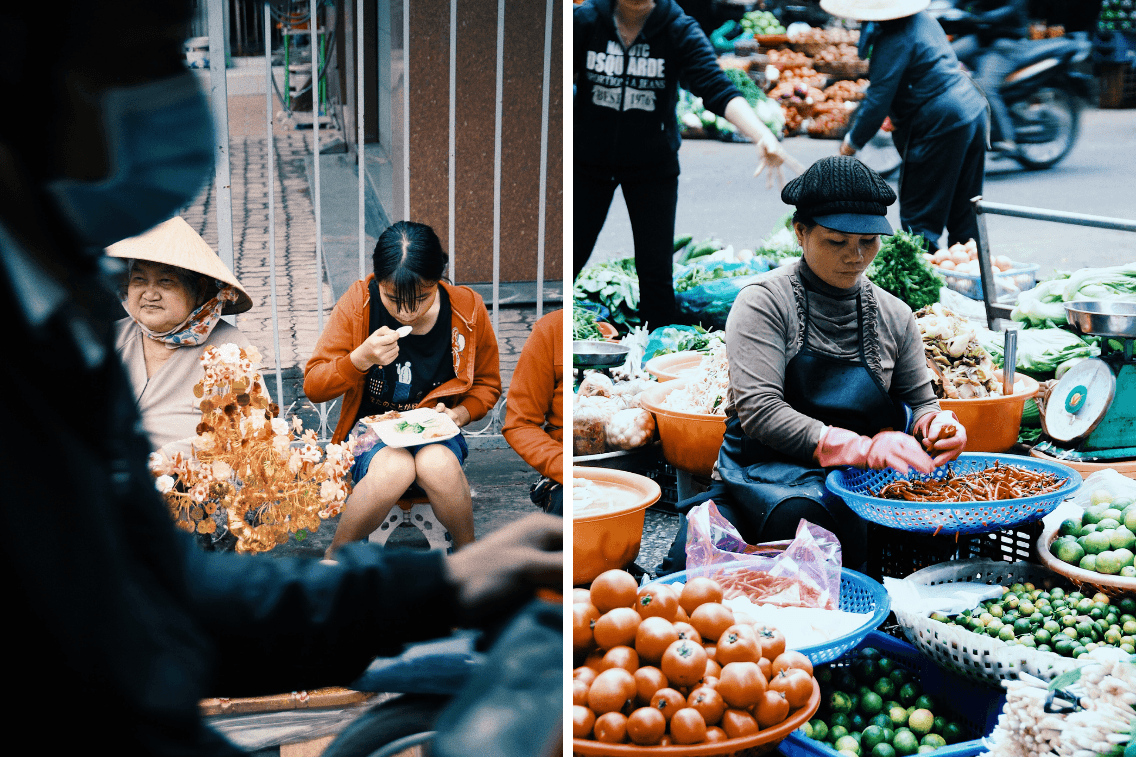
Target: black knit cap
[(842, 194)]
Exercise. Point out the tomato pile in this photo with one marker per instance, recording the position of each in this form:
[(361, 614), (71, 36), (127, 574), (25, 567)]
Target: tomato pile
[(662, 667)]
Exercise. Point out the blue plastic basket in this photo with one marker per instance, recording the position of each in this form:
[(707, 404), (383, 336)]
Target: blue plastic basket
[(975, 707), (858, 593), (853, 486)]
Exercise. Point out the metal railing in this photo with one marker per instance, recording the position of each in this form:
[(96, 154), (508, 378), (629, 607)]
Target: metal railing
[(994, 309)]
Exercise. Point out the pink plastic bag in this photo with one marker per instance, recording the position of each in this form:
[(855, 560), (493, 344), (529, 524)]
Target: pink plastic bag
[(804, 572)]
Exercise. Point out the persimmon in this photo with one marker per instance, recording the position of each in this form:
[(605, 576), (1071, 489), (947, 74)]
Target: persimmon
[(687, 631), (668, 701), (736, 645), (795, 684), (792, 659), (684, 663), (771, 710), (708, 702), (645, 726), (772, 641), (657, 601)]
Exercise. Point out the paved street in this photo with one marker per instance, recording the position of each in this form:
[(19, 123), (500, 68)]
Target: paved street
[(717, 196)]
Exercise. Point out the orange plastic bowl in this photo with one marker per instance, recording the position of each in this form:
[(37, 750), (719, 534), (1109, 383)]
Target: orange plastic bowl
[(671, 366), (992, 423), (690, 440), (611, 539), (761, 742)]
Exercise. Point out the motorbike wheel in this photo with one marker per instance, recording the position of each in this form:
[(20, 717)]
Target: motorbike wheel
[(393, 727), (1056, 114)]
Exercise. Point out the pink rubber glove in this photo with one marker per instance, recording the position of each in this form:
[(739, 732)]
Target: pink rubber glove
[(887, 449), (941, 433)]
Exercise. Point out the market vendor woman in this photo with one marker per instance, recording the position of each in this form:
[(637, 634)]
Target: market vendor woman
[(825, 370)]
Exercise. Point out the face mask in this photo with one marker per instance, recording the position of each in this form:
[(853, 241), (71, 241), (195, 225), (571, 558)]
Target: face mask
[(160, 145)]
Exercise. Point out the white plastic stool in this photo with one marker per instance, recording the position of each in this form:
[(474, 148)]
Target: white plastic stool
[(414, 511)]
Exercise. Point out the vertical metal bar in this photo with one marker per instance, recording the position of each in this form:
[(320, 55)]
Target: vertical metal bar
[(406, 109), (986, 271), (219, 101), (270, 142), (497, 163), (453, 132), (359, 134), (313, 27), (543, 159)]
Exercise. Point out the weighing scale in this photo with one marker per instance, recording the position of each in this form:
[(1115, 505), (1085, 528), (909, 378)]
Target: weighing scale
[(597, 355), (1090, 414)]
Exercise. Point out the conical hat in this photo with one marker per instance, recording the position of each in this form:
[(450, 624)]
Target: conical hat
[(873, 10), (174, 242)]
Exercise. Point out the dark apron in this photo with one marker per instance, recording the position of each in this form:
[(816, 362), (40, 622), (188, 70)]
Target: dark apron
[(838, 392)]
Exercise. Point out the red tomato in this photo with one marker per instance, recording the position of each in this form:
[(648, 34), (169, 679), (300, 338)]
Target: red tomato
[(611, 691), (736, 646), (616, 628), (684, 663), (657, 601), (741, 684), (771, 710), (580, 692), (687, 631), (611, 728), (697, 591), (612, 589), (583, 720), (648, 680), (792, 659), (711, 619), (772, 641), (652, 638), (668, 701), (688, 727), (584, 616), (620, 657), (738, 723), (715, 735), (795, 684), (708, 702), (646, 726)]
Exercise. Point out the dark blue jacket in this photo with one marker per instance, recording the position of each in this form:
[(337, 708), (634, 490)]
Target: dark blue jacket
[(915, 78), (624, 107)]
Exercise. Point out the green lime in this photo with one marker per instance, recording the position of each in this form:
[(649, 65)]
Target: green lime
[(900, 676), (1092, 515), (908, 693), (839, 702), (953, 733), (841, 719), (836, 733), (924, 702), (940, 724), (871, 703), (882, 720), (844, 680), (870, 652), (1127, 605), (883, 750), (921, 721), (871, 736), (1109, 563), (884, 687), (1130, 518), (1122, 538), (905, 743), (1126, 556), (1070, 552), (898, 716), (1088, 562), (886, 665), (865, 670), (1096, 542), (933, 739), (856, 722), (1112, 513), (1070, 526), (819, 729), (847, 744), (1006, 633), (1108, 524), (1128, 571), (1101, 497)]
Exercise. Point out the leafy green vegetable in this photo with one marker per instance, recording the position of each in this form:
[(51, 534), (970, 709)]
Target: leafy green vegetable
[(1040, 351), (699, 275), (615, 285), (781, 242), (1044, 305), (584, 324), (900, 269), (670, 339)]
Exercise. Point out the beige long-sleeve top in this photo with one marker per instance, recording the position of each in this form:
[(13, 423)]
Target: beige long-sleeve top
[(763, 333), (170, 412)]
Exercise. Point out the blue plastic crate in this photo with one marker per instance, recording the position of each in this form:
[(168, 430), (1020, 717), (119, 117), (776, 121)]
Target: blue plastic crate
[(858, 593), (854, 485), (975, 707)]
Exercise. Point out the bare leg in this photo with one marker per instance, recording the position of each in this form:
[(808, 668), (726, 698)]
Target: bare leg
[(390, 473), (440, 475)]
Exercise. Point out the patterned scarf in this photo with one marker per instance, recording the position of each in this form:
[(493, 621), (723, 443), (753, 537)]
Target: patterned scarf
[(199, 325)]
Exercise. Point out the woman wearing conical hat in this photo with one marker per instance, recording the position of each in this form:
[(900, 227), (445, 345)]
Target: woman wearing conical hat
[(175, 291)]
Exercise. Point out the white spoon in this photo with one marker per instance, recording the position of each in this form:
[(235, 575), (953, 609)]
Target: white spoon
[(403, 331)]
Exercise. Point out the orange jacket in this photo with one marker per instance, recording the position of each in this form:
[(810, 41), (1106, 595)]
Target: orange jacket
[(330, 372), (534, 417)]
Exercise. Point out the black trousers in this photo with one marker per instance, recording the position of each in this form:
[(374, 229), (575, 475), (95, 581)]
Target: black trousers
[(651, 204), (939, 178)]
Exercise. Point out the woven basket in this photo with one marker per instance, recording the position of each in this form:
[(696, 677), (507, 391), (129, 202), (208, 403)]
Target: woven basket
[(1086, 580), (847, 69), (977, 657)]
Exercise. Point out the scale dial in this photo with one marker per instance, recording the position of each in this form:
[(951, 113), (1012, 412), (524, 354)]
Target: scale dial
[(1079, 401)]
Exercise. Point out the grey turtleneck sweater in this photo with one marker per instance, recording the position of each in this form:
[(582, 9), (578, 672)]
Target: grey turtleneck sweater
[(763, 332)]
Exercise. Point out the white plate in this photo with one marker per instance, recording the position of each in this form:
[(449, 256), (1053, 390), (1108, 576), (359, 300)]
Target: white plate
[(424, 416)]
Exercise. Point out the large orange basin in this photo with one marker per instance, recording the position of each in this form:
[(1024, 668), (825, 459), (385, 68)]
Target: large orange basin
[(690, 441), (671, 366), (992, 423), (611, 539)]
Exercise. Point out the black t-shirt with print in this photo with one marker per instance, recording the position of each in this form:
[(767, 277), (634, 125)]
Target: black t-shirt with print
[(424, 361)]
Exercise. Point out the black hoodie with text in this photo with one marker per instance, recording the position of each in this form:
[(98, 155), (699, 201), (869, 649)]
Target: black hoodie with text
[(624, 106)]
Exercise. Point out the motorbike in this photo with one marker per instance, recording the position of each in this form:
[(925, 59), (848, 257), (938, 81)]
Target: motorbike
[(1044, 92)]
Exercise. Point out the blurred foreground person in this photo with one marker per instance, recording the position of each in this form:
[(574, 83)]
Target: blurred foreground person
[(111, 603)]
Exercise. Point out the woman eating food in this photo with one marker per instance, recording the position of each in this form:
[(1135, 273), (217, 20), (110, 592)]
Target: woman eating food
[(825, 369), (175, 292), (405, 339)]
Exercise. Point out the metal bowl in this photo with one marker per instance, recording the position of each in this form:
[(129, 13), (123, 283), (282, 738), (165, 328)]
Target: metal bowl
[(588, 352), (1115, 319)]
